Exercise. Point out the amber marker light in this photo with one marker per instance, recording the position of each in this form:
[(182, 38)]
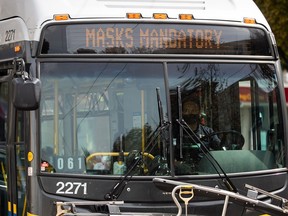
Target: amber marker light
[(160, 16), (30, 156), (59, 17), (134, 15), (248, 20), (185, 16), (17, 49)]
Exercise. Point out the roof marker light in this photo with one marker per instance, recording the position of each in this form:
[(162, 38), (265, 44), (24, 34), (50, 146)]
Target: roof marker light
[(134, 15), (59, 17), (249, 20), (160, 16), (185, 16)]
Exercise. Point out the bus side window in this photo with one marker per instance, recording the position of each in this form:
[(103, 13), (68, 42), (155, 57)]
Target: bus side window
[(3, 174), (3, 182), (3, 110)]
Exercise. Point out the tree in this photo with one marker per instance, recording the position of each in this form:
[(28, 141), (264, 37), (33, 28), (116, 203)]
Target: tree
[(275, 12)]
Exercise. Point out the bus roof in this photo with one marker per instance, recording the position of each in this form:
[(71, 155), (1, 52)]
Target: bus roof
[(34, 12)]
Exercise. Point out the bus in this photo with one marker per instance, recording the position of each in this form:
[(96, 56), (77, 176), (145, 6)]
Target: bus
[(92, 118)]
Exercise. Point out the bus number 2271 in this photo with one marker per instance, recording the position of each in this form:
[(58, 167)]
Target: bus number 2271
[(71, 188)]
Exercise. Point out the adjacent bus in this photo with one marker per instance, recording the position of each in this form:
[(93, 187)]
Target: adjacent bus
[(91, 106)]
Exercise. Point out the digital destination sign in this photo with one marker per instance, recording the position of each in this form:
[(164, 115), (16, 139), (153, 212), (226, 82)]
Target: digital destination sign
[(145, 38), (153, 38)]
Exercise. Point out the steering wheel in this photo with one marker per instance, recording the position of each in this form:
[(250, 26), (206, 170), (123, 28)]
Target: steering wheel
[(152, 166), (230, 140)]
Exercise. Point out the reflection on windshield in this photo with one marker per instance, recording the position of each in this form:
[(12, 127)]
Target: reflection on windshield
[(99, 118)]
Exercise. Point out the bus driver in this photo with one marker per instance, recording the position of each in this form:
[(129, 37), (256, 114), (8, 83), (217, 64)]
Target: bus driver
[(191, 115)]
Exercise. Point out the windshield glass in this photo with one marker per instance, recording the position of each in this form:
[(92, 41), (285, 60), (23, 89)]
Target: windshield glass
[(233, 109), (96, 114), (99, 118)]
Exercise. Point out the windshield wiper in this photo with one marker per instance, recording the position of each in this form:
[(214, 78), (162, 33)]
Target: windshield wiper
[(162, 122), (179, 100), (163, 125), (193, 136), (119, 187)]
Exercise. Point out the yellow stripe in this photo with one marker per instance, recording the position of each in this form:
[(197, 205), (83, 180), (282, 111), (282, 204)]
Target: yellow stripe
[(29, 214), (9, 206), (14, 209), (24, 206)]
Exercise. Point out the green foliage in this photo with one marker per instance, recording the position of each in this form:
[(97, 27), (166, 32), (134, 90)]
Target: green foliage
[(275, 12)]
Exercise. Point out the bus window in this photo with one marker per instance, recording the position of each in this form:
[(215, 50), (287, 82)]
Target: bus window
[(3, 156), (99, 116), (3, 110), (3, 182), (235, 101)]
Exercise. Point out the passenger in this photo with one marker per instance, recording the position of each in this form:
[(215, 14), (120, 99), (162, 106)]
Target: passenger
[(47, 160)]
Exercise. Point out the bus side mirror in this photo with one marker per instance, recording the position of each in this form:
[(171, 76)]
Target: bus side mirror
[(26, 93)]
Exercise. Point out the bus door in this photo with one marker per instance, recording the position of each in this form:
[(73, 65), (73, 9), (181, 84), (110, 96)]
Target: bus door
[(16, 164), (3, 153), (3, 181), (12, 169), (20, 178)]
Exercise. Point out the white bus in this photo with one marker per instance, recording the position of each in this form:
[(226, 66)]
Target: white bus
[(92, 93)]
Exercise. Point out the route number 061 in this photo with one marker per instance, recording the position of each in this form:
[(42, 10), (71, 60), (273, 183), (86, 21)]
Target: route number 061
[(69, 163)]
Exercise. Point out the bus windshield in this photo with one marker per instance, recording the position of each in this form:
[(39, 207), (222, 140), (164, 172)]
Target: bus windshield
[(98, 117)]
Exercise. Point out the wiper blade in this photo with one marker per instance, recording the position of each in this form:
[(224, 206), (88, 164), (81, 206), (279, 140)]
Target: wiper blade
[(119, 187), (163, 125), (193, 136), (184, 126), (179, 100)]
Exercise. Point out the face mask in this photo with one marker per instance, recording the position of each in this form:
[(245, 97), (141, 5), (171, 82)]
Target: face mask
[(191, 118)]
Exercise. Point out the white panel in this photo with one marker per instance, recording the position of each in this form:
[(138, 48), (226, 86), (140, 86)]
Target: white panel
[(13, 30)]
